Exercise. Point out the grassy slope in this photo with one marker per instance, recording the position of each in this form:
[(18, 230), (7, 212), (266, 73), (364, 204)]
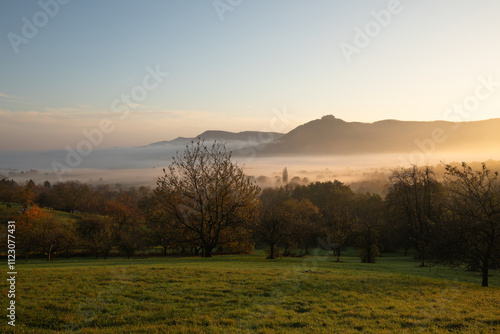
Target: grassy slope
[(6, 213), (248, 294)]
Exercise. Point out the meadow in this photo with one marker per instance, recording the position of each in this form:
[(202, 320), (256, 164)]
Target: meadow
[(249, 294)]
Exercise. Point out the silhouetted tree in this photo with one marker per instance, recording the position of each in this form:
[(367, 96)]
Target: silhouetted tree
[(161, 226), (410, 198), (367, 224), (67, 196), (273, 225), (321, 193), (98, 234), (8, 190), (470, 229), (305, 223), (334, 200), (285, 222), (285, 176), (208, 194)]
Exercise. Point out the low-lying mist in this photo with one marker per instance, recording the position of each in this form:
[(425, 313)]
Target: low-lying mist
[(143, 165)]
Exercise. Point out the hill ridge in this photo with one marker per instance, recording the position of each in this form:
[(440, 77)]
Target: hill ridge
[(330, 135)]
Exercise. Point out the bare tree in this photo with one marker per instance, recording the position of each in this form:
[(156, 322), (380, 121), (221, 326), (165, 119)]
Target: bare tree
[(204, 192), (471, 228), (410, 199)]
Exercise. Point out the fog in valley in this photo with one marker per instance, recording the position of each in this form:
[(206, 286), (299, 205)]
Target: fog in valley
[(137, 166)]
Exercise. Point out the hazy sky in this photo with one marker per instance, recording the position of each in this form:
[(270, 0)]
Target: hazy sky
[(236, 65)]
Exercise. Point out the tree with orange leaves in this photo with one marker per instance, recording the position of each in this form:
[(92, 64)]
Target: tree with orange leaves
[(37, 229)]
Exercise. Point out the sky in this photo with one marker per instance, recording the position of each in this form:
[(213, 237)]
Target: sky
[(130, 73)]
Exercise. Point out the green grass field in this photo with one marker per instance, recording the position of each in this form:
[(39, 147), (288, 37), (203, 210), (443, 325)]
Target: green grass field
[(249, 294)]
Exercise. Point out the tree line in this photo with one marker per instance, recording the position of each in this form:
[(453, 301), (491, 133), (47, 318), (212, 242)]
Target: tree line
[(204, 204)]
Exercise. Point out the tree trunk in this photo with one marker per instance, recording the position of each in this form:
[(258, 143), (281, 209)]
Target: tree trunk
[(207, 251), (48, 253), (337, 251), (422, 257), (271, 252), (164, 250), (485, 270)]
